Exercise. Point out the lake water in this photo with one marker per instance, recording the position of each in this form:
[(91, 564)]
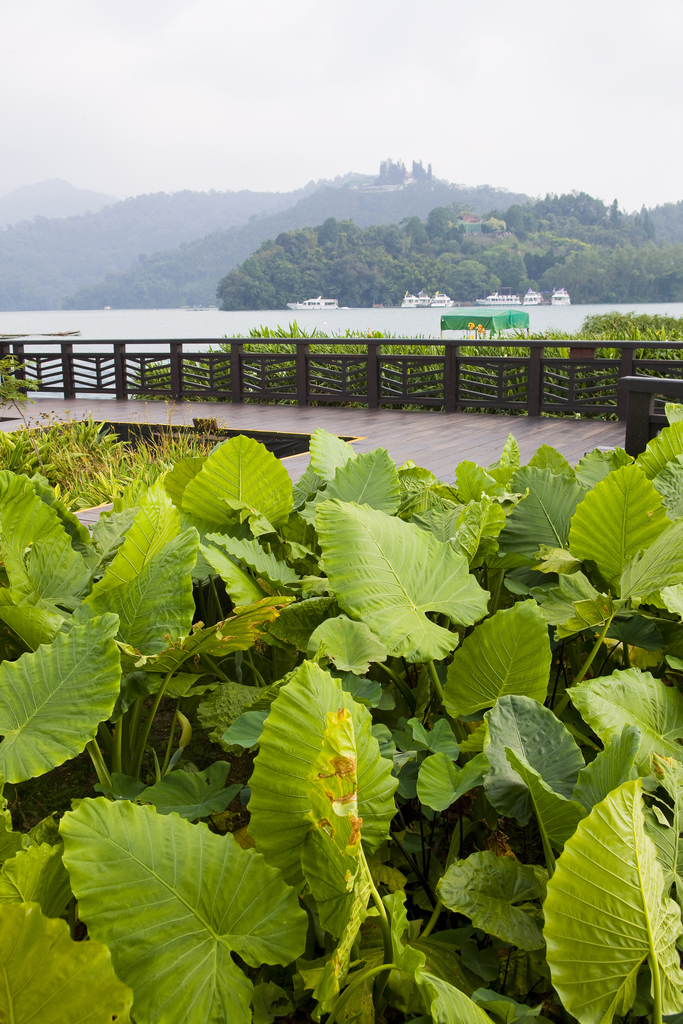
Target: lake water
[(213, 324)]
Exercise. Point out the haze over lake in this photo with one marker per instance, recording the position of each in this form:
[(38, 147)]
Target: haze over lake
[(213, 324)]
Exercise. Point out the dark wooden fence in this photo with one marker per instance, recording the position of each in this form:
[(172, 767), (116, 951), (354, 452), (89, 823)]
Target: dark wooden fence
[(644, 397), (537, 380)]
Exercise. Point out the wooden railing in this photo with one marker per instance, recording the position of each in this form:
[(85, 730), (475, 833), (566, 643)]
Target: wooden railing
[(538, 380), (644, 397)]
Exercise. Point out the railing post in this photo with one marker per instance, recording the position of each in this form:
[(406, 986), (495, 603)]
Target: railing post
[(625, 370), (302, 352), (639, 410), (176, 369), (374, 374), (120, 375), (534, 380), (450, 378), (236, 352), (68, 370)]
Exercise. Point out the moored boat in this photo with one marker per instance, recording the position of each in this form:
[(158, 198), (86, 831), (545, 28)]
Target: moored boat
[(560, 298), (532, 298), (442, 301), (319, 303), (500, 300)]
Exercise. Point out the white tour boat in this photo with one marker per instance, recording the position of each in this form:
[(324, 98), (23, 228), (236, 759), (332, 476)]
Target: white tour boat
[(532, 298), (500, 300), (442, 301), (319, 303), (561, 298), (410, 302)]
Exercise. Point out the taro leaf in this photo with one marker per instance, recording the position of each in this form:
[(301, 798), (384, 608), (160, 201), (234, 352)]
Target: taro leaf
[(328, 453), (10, 842), (447, 1005), (123, 787), (36, 875), (45, 976), (149, 582), (192, 795), (440, 782), (557, 816), (618, 518), (390, 574), (477, 528), (508, 653), (306, 486), (291, 741), (486, 888), (544, 515), (350, 645), (660, 565), (34, 626), (557, 560), (226, 705), (535, 734), (664, 833), (637, 630), (439, 739), (669, 484), (79, 534), (575, 604), (270, 1001), (613, 766), (42, 566), (236, 902), (632, 697), (109, 532), (473, 482), (245, 731), (547, 457), (261, 562), (52, 701), (240, 585), (509, 457), (298, 621), (606, 911), (244, 472), (369, 479), (596, 465), (673, 411), (179, 477), (661, 450)]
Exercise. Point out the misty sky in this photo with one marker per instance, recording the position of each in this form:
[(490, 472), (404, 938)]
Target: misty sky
[(130, 96)]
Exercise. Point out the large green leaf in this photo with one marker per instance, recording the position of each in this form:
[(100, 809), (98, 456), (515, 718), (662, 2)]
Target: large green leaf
[(177, 480), (595, 465), (664, 829), (168, 896), (261, 562), (669, 483), (192, 795), (52, 701), (240, 585), (662, 449), (369, 479), (508, 653), (632, 697), (35, 626), (350, 645), (43, 568), (440, 782), (612, 766), (328, 453), (447, 1005), (660, 565), (390, 574), (149, 582), (621, 515), (46, 977), (557, 816), (535, 734), (547, 457), (240, 473), (606, 911), (487, 889), (36, 875), (297, 622), (291, 741), (109, 532), (544, 515), (575, 604)]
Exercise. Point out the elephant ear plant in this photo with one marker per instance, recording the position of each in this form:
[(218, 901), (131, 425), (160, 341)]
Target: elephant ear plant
[(374, 747)]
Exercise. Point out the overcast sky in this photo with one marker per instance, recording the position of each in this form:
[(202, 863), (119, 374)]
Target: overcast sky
[(130, 96)]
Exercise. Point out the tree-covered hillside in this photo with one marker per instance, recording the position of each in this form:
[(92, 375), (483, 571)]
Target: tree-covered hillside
[(188, 275), (598, 253)]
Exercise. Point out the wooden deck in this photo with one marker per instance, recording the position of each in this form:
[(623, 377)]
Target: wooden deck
[(436, 440)]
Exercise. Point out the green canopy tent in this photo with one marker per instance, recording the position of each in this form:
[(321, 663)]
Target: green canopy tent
[(490, 319)]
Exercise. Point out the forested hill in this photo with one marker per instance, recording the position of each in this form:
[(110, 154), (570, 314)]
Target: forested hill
[(188, 275), (44, 259), (572, 241)]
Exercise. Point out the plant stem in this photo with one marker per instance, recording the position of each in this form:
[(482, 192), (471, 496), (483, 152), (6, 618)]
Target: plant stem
[(584, 668), (169, 746), (436, 682), (436, 914), (656, 985), (72, 917), (627, 656), (116, 756), (496, 594), (354, 985), (98, 761), (385, 928), (214, 668), (214, 592), (403, 687), (257, 674), (146, 729)]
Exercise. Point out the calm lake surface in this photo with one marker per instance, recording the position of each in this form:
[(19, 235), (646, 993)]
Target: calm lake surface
[(212, 324)]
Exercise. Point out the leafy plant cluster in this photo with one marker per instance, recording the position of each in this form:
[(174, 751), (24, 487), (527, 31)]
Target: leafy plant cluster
[(464, 701)]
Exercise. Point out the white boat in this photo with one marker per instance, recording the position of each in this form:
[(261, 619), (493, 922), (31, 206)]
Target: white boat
[(532, 298), (410, 302), (319, 303), (500, 300), (442, 302), (561, 298), (423, 300)]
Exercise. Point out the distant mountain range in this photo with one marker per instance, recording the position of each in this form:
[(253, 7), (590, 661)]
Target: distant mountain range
[(53, 198)]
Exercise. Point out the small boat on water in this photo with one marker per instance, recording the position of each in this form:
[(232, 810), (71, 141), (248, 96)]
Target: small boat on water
[(500, 300), (319, 303), (532, 298), (419, 301), (442, 301), (560, 298)]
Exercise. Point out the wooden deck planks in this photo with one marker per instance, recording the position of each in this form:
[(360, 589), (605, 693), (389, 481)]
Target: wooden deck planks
[(435, 440)]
